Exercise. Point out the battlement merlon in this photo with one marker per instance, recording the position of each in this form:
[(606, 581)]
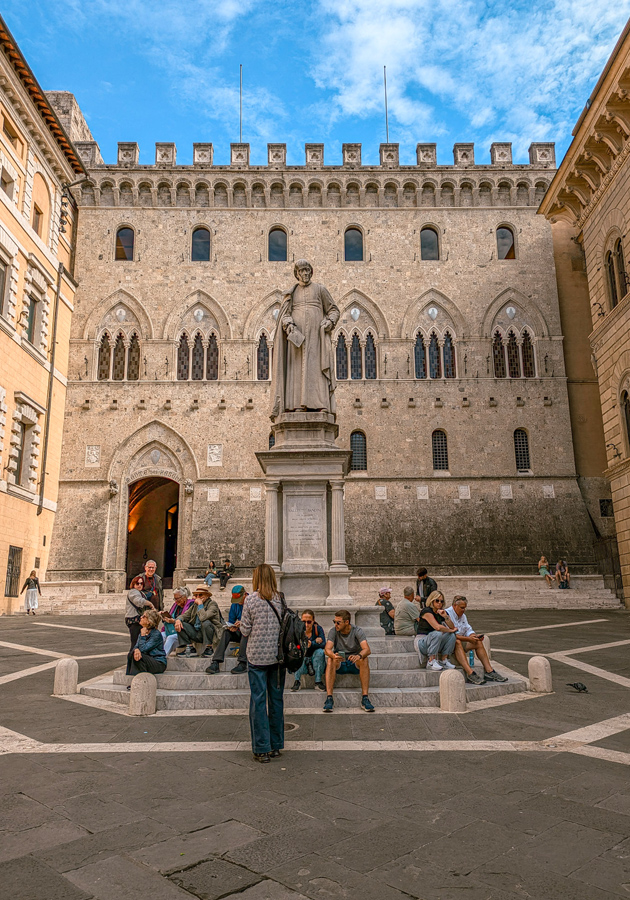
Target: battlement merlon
[(541, 156)]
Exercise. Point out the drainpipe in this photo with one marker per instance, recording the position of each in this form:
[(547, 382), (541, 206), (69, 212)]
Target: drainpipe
[(51, 381)]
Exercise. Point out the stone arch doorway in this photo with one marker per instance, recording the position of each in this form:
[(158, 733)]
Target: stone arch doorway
[(152, 526)]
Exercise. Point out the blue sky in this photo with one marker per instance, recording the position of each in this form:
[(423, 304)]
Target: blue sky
[(167, 70)]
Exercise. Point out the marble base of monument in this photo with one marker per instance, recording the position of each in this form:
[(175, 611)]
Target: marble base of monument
[(304, 531)]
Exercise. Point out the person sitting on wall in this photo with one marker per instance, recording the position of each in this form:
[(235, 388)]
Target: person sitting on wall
[(347, 652), (211, 573), (563, 576), (137, 602), (225, 573), (200, 624), (466, 640), (407, 614), (232, 633), (148, 654), (436, 636), (183, 600), (543, 569), (153, 584), (424, 585), (315, 658), (386, 617)]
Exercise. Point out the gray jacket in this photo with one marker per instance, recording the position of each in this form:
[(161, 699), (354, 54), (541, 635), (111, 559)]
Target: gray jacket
[(136, 603), (260, 622)]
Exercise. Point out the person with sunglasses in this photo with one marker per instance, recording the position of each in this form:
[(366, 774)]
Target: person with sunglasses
[(315, 659), (437, 636)]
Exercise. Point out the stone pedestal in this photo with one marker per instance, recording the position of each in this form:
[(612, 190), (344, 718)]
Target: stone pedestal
[(304, 533)]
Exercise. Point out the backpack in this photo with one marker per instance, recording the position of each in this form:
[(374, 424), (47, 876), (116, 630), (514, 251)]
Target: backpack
[(292, 641)]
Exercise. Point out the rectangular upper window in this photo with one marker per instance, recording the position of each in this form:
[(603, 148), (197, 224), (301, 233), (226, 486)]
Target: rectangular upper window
[(38, 218), (7, 183), (11, 134)]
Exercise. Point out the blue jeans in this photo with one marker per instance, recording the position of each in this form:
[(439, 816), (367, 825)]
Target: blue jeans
[(266, 707), (319, 664), (437, 643), (170, 642)]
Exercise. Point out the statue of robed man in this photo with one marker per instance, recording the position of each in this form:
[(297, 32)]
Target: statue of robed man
[(303, 370)]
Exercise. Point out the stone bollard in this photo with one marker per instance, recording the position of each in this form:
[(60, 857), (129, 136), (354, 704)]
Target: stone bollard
[(66, 677), (452, 691), (142, 695), (539, 671), (486, 643)]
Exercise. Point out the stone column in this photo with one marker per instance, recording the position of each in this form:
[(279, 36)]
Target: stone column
[(271, 524), (337, 529)]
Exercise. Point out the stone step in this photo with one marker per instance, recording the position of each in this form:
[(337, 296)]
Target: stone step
[(405, 659)]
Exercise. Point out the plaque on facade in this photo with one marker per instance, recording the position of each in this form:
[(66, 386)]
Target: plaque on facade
[(215, 455), (92, 456), (506, 491), (304, 530), (463, 491), (549, 492), (255, 493), (213, 495), (422, 492), (380, 492)]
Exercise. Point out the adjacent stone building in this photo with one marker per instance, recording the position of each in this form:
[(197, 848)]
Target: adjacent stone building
[(452, 387), (589, 202), (37, 287)]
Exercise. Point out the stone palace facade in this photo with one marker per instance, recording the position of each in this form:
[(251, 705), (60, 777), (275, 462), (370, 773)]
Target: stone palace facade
[(452, 389)]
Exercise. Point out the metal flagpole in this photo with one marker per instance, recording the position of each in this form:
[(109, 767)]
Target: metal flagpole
[(241, 105), (386, 116)]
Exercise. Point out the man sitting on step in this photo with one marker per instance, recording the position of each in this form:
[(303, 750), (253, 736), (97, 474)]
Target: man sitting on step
[(466, 640), (347, 652), (407, 614), (232, 633), (200, 624)]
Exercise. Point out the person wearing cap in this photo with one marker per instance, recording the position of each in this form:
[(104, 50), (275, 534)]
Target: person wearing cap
[(200, 624), (232, 633), (225, 573), (388, 610)]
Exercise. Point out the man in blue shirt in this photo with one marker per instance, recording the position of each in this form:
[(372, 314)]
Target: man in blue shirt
[(232, 633)]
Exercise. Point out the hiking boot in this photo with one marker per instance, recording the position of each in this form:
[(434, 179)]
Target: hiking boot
[(328, 705), (365, 704), (239, 669), (494, 676), (295, 686), (474, 678), (213, 668)]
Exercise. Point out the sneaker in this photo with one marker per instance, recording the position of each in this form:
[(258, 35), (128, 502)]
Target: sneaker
[(494, 676), (474, 678), (320, 685), (190, 651), (434, 665), (207, 653), (366, 705), (295, 686), (240, 669), (446, 664), (328, 705), (309, 668), (213, 668)]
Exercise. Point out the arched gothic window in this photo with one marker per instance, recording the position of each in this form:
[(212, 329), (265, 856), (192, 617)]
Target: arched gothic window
[(429, 243), (498, 356), (625, 408), (277, 245), (262, 359), (200, 250), (370, 357), (435, 363), (439, 446), (120, 352), (356, 358), (353, 245), (521, 450), (197, 358), (133, 359), (449, 356), (104, 358), (514, 360), (124, 244), (212, 361), (358, 445), (420, 357), (527, 351), (506, 248), (341, 355), (183, 359)]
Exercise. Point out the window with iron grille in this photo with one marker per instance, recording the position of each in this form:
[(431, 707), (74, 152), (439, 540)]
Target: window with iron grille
[(342, 359), (104, 358), (356, 358), (440, 450), (527, 351), (606, 509), (262, 359), (435, 363), (420, 357), (272, 441), (197, 358), (498, 356), (14, 570), (449, 357), (133, 359), (370, 357), (183, 361), (358, 445), (514, 360), (212, 362), (521, 450), (120, 352)]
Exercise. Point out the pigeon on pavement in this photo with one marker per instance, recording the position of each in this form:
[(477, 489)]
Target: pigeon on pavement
[(579, 687)]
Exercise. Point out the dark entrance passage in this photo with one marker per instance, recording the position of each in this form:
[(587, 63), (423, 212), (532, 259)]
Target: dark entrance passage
[(152, 526)]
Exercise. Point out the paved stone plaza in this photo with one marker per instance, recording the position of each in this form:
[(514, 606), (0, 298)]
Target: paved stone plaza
[(529, 797)]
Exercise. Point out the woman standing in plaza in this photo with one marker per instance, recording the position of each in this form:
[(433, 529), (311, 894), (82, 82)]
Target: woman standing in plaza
[(32, 588), (260, 623), (136, 603)]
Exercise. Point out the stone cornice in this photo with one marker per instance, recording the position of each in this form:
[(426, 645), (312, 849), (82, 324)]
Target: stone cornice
[(609, 322), (606, 182)]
